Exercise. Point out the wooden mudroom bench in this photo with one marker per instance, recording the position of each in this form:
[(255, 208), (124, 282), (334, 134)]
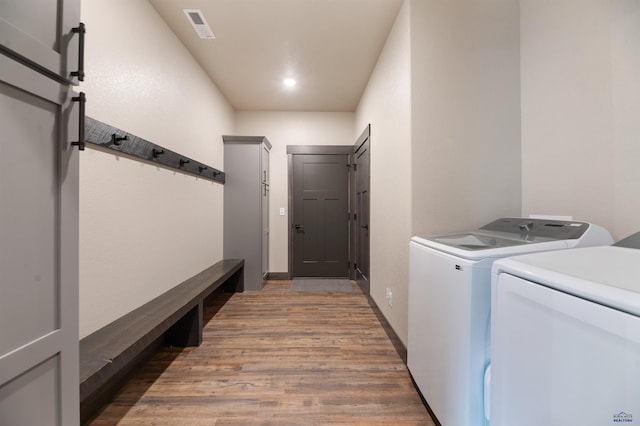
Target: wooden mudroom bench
[(109, 355)]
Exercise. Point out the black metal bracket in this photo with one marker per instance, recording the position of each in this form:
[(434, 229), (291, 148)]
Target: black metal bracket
[(106, 136), (117, 140)]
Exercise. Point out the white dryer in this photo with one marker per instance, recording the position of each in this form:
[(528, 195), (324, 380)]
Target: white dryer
[(449, 305), (565, 346)]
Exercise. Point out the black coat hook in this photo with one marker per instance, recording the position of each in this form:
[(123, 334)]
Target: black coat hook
[(183, 162), (157, 152), (117, 140), (202, 168), (216, 173)]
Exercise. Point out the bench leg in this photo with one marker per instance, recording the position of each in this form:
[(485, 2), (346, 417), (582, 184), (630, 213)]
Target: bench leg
[(235, 283), (187, 331)]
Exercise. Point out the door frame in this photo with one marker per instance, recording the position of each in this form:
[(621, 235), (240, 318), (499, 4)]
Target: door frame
[(321, 150), (364, 285)]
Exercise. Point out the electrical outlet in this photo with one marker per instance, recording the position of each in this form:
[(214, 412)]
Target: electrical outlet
[(389, 296)]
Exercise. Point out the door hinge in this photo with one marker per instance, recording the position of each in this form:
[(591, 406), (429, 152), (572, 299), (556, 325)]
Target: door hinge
[(355, 216)]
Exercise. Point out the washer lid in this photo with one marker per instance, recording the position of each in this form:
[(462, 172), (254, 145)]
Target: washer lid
[(476, 241), (477, 245), (607, 275), (509, 236)]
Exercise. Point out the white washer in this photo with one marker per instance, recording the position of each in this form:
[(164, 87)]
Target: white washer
[(565, 346), (449, 305)]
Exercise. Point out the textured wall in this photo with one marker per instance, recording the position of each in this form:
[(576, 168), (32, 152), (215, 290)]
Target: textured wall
[(144, 229), (444, 108), (386, 105), (465, 98), (580, 111)]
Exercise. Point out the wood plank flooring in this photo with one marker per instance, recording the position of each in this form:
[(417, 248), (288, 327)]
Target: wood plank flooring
[(276, 357)]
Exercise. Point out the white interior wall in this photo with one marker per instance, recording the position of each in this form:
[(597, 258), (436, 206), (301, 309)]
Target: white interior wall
[(458, 64), (444, 107), (581, 110), (290, 128), (466, 113), (386, 105), (144, 229)]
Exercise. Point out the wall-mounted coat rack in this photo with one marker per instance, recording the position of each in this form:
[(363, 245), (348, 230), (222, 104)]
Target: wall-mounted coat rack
[(99, 133)]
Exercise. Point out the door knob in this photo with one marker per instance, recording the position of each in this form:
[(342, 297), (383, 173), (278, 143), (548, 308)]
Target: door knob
[(298, 226)]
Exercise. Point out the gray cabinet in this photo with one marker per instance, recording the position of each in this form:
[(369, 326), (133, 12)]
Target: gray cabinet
[(41, 34), (39, 383), (246, 205)]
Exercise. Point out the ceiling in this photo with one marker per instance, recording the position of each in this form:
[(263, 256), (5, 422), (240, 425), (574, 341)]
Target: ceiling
[(329, 47)]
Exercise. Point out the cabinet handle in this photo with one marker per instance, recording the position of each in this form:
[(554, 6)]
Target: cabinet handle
[(80, 143), (80, 29)]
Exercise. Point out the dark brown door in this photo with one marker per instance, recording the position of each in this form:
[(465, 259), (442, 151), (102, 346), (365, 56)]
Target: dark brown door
[(362, 210), (320, 228)]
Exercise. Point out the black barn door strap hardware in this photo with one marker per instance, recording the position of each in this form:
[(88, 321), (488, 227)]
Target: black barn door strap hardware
[(80, 143), (80, 29)]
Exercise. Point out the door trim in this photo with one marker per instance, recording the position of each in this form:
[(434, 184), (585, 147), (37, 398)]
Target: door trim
[(362, 139), (319, 150)]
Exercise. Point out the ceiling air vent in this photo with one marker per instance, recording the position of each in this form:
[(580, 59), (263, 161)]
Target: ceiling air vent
[(199, 23)]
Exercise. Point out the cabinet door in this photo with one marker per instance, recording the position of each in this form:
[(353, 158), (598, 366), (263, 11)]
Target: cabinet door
[(38, 250), (39, 32), (264, 166), (265, 230)]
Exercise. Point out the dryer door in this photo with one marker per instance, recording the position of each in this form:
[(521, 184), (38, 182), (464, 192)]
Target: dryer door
[(557, 359)]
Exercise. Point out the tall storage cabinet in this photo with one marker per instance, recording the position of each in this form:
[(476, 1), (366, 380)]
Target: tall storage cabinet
[(246, 205), (39, 366)]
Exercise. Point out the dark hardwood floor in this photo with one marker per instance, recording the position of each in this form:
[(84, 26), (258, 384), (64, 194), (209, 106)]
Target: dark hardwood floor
[(276, 357)]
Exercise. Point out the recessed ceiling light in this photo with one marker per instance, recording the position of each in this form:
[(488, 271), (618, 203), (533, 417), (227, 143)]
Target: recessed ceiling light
[(289, 82)]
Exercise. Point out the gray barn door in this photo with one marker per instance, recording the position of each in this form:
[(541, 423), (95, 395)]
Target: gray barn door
[(362, 210), (39, 383), (320, 225)]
